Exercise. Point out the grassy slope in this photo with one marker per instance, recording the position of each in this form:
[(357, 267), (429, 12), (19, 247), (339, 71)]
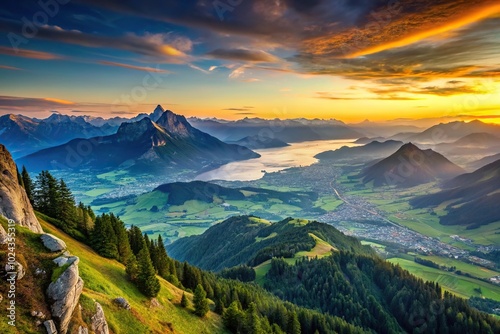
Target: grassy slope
[(105, 280), (460, 285), (320, 250)]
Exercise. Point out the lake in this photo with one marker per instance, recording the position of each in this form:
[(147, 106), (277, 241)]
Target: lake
[(273, 160)]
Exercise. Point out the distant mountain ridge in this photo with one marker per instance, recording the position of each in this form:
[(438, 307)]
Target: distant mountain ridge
[(142, 146), (287, 130), (410, 166), (258, 142), (23, 135), (472, 199), (449, 132)]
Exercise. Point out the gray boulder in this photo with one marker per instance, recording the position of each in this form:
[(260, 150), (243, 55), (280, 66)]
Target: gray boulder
[(122, 302), (99, 323), (53, 243), (63, 260), (50, 327), (65, 293)]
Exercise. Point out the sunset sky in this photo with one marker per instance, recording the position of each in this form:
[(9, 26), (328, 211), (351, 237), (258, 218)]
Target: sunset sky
[(349, 60)]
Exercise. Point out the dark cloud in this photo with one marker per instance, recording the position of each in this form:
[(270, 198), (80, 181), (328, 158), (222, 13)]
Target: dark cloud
[(239, 109), (14, 101), (148, 45), (243, 55)]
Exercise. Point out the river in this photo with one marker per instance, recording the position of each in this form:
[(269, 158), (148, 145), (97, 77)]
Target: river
[(273, 160)]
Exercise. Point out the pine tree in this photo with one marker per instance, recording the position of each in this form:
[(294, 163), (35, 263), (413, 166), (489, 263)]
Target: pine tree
[(132, 268), (293, 324), (200, 301), (41, 193), (232, 317), (103, 238), (162, 261), (66, 205), (252, 320), (122, 241), (184, 301), (28, 185), (53, 209), (147, 281), (136, 239)]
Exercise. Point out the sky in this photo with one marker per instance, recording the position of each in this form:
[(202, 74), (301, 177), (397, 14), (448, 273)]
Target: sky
[(345, 59)]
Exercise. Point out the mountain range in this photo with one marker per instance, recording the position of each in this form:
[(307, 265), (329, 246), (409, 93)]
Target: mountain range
[(23, 135), (288, 131), (410, 166), (142, 146), (449, 132)]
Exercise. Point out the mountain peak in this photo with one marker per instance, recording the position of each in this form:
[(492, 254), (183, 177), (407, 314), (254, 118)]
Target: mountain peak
[(175, 124), (157, 113), (410, 166)]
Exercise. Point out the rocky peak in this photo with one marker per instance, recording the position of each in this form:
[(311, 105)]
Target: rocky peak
[(175, 124), (157, 113), (14, 203)]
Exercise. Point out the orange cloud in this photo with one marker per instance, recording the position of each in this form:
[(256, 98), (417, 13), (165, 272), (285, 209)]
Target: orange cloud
[(58, 101), (469, 18), (133, 67), (408, 23)]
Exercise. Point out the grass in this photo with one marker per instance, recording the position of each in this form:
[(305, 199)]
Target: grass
[(474, 270), (460, 285), (320, 250), (328, 203), (106, 279)]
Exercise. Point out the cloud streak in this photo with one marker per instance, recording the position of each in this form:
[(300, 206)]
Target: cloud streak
[(133, 67)]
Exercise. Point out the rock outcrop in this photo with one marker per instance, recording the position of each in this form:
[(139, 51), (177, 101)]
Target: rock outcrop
[(14, 203), (99, 323), (50, 327), (53, 243), (65, 294)]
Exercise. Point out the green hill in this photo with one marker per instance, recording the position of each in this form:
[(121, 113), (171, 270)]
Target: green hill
[(252, 241)]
